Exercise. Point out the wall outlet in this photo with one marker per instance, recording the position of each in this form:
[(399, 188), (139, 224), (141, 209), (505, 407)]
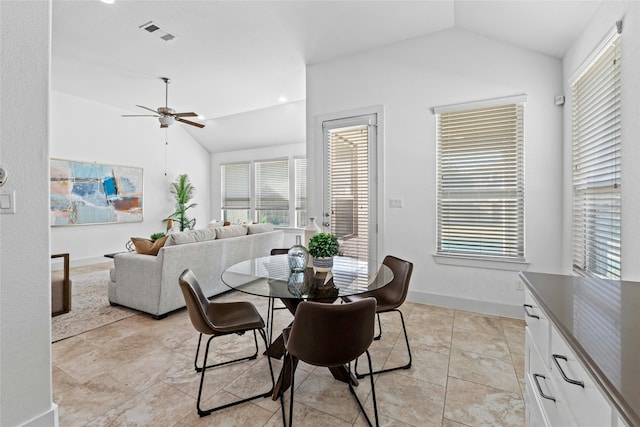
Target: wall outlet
[(519, 285)]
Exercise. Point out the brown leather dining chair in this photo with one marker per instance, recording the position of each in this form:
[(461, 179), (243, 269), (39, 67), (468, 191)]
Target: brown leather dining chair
[(388, 299), (217, 319), (331, 335)]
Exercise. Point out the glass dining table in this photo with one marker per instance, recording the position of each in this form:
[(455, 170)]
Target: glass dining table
[(271, 277)]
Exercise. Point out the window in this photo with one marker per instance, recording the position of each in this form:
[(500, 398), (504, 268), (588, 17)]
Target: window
[(236, 192), (272, 191), (480, 206), (301, 192), (261, 191), (596, 163)]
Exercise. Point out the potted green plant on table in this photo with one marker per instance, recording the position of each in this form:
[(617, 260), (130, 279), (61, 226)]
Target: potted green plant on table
[(182, 191), (323, 247)]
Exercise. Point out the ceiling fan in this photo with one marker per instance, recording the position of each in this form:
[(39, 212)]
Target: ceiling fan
[(167, 116)]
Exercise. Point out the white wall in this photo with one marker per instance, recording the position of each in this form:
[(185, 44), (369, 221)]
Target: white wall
[(25, 304), (603, 21), (408, 79), (274, 152), (87, 131)]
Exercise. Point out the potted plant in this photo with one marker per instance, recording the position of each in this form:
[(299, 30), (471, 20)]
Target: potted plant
[(182, 191), (156, 236), (323, 247)]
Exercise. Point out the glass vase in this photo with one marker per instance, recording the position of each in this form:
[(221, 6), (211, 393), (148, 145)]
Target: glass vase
[(298, 256)]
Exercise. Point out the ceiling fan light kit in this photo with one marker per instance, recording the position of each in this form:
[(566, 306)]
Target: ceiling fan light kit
[(167, 116)]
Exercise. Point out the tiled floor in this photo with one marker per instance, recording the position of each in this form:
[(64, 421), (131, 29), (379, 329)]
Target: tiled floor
[(467, 371)]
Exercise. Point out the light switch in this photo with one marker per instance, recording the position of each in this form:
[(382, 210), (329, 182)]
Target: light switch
[(8, 203), (396, 203)]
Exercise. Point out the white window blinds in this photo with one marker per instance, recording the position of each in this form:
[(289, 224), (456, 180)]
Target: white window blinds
[(300, 166), (596, 165), (236, 186), (349, 186), (272, 185), (480, 207)]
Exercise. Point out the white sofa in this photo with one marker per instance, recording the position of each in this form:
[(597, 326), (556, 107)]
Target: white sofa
[(150, 283)]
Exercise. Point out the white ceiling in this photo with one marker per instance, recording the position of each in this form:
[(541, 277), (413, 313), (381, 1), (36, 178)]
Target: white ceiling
[(234, 57)]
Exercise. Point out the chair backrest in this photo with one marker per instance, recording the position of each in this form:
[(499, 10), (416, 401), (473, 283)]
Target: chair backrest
[(279, 251), (397, 290), (196, 302), (332, 334)]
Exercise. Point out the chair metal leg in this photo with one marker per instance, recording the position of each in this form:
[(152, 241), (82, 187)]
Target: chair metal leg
[(373, 394), (205, 412), (377, 337), (293, 375), (200, 368), (407, 366)]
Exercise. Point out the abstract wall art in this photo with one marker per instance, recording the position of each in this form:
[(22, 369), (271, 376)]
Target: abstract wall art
[(93, 193)]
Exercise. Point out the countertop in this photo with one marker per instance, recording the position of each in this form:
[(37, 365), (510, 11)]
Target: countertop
[(600, 320)]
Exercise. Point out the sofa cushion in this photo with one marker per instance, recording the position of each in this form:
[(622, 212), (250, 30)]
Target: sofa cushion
[(230, 231), (148, 247), (215, 224), (259, 228), (191, 236)]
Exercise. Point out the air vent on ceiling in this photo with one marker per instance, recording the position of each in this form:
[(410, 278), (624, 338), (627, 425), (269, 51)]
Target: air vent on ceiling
[(153, 28)]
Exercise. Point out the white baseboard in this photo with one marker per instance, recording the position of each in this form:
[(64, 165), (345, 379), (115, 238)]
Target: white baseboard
[(48, 419), (486, 307)]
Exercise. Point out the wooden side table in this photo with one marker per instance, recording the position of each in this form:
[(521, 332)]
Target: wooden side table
[(60, 288)]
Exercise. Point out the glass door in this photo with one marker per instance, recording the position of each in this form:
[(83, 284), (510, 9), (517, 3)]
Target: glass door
[(349, 184)]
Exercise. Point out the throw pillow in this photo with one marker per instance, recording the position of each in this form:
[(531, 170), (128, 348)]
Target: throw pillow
[(148, 247), (215, 224), (191, 236), (230, 231), (259, 228)]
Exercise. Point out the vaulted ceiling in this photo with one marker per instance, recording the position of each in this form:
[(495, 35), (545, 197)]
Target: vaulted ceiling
[(232, 60)]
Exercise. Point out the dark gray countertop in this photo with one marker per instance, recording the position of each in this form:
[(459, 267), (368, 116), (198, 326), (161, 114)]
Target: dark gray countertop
[(600, 320)]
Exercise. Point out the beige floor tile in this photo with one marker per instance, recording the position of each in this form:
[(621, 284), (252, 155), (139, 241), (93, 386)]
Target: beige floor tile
[(481, 369), (159, 405), (477, 342), (426, 365), (324, 393), (476, 322), (408, 400), (244, 415), (479, 405), (80, 402)]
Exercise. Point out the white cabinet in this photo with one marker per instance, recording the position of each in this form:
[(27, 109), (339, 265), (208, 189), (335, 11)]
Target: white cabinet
[(559, 391)]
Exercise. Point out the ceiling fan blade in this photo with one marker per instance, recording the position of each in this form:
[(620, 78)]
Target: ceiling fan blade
[(189, 122), (140, 115), (146, 108), (185, 115)]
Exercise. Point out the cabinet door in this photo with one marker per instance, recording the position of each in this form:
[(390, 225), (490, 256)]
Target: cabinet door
[(546, 403), (537, 323), (581, 393)]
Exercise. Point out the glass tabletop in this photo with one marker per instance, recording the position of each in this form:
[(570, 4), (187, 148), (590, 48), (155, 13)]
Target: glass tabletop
[(270, 276)]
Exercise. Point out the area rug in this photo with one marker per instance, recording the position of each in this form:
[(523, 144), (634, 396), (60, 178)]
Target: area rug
[(90, 307)]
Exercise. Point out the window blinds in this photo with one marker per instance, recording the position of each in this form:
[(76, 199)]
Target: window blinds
[(596, 165), (236, 185), (480, 207), (349, 187), (300, 166), (272, 185)]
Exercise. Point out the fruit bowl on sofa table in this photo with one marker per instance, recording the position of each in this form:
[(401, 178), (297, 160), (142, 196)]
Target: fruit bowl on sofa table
[(150, 283)]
